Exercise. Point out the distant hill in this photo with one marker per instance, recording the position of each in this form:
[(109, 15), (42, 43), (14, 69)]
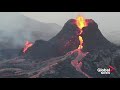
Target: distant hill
[(15, 29)]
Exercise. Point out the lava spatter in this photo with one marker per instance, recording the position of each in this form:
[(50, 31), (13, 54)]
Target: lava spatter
[(80, 22), (77, 62), (27, 45)]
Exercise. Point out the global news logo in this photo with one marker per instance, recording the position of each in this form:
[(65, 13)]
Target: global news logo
[(106, 70)]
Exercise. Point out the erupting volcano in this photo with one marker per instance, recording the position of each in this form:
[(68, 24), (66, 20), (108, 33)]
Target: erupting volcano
[(27, 45), (77, 51), (77, 62)]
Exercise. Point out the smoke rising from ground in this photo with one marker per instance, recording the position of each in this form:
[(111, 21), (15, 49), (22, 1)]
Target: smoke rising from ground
[(15, 29)]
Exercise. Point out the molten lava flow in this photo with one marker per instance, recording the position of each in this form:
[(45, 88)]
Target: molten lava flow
[(27, 45), (81, 42), (77, 62)]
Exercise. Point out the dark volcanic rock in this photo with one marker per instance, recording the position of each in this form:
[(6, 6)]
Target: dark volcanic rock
[(41, 49), (102, 59), (8, 53), (93, 38), (67, 39)]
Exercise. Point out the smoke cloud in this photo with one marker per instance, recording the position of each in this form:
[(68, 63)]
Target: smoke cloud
[(15, 29)]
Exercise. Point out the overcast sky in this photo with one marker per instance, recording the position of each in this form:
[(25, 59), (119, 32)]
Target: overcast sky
[(61, 17), (106, 20)]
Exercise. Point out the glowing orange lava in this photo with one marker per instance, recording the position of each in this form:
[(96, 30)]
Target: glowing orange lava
[(81, 42), (27, 45), (80, 22), (77, 62)]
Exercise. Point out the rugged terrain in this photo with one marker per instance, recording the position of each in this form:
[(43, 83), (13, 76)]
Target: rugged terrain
[(54, 58)]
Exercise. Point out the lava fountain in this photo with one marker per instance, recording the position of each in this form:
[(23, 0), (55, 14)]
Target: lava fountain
[(27, 45), (77, 62), (81, 23)]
